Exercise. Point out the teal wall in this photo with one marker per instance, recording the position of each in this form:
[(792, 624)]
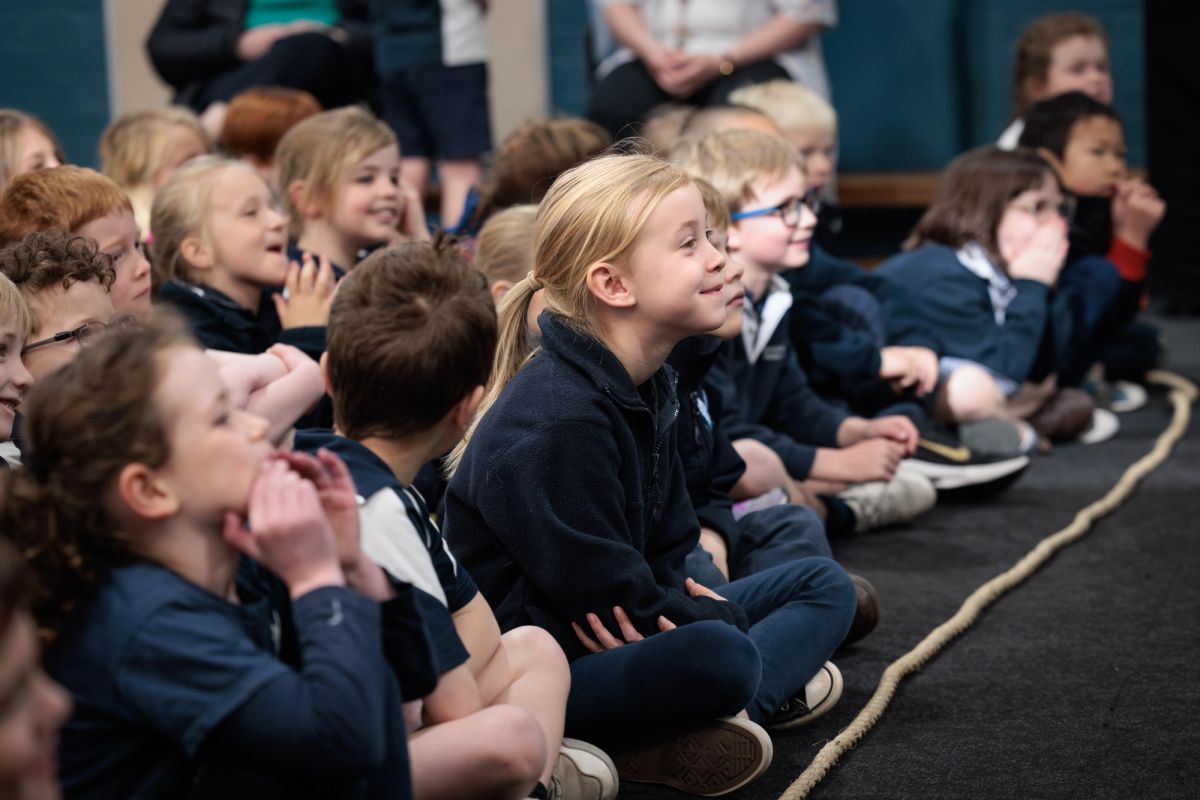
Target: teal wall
[(53, 65), (915, 82)]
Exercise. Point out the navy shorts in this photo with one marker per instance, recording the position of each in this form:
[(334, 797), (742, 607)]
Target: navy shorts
[(439, 112)]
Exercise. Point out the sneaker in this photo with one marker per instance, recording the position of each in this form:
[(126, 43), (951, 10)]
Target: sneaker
[(956, 469), (1104, 426), (820, 695), (583, 772), (1120, 397), (708, 759), (877, 504)]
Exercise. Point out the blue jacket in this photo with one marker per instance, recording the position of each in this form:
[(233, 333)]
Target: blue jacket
[(766, 395), (571, 497), (826, 346), (957, 307)]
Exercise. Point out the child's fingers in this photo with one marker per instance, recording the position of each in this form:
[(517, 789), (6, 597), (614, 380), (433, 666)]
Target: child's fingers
[(308, 274), (309, 468), (238, 537), (339, 473), (281, 304), (629, 632), (324, 278), (602, 635), (292, 282), (585, 639), (665, 624)]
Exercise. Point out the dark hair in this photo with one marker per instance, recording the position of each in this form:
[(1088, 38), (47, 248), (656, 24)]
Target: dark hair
[(85, 423), (1048, 124), (14, 584), (54, 258), (528, 161), (412, 331), (973, 194)]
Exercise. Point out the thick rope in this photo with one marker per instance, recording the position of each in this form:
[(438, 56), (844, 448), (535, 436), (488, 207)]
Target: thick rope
[(1182, 394)]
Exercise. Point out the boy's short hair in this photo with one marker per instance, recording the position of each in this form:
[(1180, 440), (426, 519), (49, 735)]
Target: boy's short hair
[(504, 250), (53, 258), (1031, 60), (14, 308), (663, 124), (257, 119), (412, 332), (64, 197), (1048, 124), (134, 146), (321, 150), (12, 122), (732, 160), (711, 119), (793, 106)]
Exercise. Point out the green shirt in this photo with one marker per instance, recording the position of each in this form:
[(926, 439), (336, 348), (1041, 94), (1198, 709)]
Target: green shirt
[(268, 12)]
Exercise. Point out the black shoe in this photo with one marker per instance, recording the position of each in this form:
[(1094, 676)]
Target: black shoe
[(820, 694), (960, 472), (866, 614)]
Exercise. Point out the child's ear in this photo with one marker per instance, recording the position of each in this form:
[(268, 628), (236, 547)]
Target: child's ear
[(464, 412), (198, 254), (324, 362), (499, 289), (609, 286), (296, 193), (1054, 160), (145, 494)]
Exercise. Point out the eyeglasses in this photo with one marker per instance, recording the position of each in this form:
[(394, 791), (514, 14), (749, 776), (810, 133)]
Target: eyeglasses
[(85, 334), (1064, 207), (789, 210)]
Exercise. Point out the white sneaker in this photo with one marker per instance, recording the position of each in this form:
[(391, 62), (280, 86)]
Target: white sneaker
[(1104, 427), (583, 772), (1126, 396), (879, 503), (820, 694)]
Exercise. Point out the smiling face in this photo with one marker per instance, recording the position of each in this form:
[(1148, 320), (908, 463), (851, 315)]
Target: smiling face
[(248, 236), (117, 234), (675, 273), (1094, 158), (14, 377), (367, 207), (735, 292), (1077, 64), (32, 709), (766, 243), (56, 310), (216, 450)]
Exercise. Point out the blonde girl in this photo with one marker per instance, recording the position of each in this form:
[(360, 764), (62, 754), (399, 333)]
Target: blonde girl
[(26, 144)]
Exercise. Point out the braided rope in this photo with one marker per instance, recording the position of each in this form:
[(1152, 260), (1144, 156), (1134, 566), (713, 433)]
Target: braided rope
[(1182, 394)]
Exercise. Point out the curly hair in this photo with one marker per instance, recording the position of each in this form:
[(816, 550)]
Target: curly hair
[(82, 428), (54, 258)]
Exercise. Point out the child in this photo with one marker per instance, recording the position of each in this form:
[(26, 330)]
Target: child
[(220, 250), (137, 544), (339, 176), (139, 151), (1057, 53), (767, 395), (87, 204), (526, 164), (592, 548), (258, 118), (32, 706), (504, 252), (1105, 273), (15, 379), (987, 255), (26, 144), (411, 340)]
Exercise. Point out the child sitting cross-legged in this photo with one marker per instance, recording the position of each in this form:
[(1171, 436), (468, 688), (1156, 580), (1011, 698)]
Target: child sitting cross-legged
[(411, 338), (568, 504), (208, 607)]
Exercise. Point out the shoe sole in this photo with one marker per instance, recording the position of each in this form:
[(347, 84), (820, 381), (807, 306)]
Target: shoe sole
[(605, 792), (710, 759), (836, 684), (952, 476)]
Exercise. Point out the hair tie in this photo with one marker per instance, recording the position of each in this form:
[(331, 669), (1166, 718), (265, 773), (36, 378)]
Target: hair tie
[(534, 283)]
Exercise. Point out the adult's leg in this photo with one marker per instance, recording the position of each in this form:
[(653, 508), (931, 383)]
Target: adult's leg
[(799, 613), (621, 100), (717, 92), (452, 103), (696, 672)]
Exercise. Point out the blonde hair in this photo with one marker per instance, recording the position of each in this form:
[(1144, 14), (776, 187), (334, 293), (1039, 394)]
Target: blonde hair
[(180, 211), (320, 151), (12, 123), (714, 205), (663, 125), (133, 148), (733, 160), (13, 307), (504, 250), (1032, 56), (593, 212), (793, 106)]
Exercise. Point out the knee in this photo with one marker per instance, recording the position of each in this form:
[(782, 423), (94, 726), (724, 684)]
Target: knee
[(971, 394), (765, 471), (532, 647), (513, 745), (726, 663)]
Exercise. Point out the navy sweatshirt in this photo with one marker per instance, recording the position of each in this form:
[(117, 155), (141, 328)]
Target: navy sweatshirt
[(826, 346), (957, 308), (710, 463), (571, 497), (769, 398)]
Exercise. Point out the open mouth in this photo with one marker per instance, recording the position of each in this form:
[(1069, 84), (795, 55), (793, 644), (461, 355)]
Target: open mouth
[(275, 248), (10, 403)]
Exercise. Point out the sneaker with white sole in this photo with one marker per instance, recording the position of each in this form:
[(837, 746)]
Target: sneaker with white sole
[(989, 456), (706, 759), (880, 503), (583, 772), (1104, 426), (820, 694)]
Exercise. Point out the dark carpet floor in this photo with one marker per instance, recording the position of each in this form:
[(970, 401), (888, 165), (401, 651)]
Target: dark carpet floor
[(1084, 682)]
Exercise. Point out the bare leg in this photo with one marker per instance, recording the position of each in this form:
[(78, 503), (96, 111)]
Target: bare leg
[(457, 177), (969, 394), (764, 470), (414, 172), (494, 753)]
